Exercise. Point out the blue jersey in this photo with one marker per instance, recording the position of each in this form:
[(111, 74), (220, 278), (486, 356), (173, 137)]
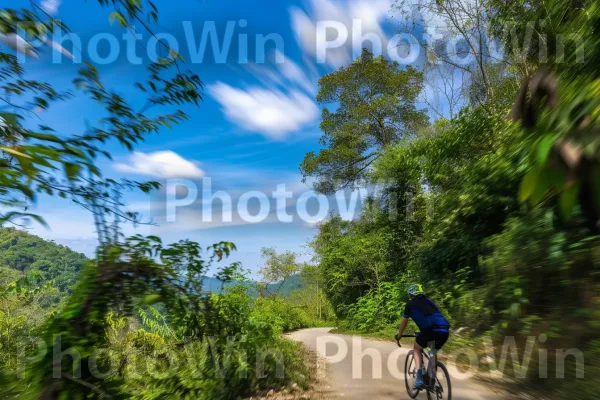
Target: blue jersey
[(426, 314)]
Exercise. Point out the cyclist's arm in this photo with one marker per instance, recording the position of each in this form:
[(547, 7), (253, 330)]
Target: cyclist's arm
[(402, 326), (405, 317)]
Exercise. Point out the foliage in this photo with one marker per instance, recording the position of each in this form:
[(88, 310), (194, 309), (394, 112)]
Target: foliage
[(378, 308), (24, 306), (374, 107), (133, 303), (228, 362), (26, 253), (137, 297), (558, 106), (353, 259), (40, 161), (498, 220), (278, 268), (311, 298), (289, 298), (280, 314)]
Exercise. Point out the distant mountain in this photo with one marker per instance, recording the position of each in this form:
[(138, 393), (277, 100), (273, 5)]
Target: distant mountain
[(293, 283), (22, 252), (213, 285)]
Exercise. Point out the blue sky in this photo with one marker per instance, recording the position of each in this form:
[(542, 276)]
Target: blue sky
[(251, 132)]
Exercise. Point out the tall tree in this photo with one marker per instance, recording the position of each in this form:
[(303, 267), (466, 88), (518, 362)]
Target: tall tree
[(462, 65), (373, 105)]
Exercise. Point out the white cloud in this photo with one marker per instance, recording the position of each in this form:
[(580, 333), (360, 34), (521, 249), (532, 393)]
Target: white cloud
[(281, 71), (292, 71), (51, 6), (272, 113), (371, 13), (18, 44), (161, 164), (59, 48), (199, 216)]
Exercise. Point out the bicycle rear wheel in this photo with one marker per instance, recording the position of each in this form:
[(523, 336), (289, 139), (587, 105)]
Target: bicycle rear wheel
[(442, 390)]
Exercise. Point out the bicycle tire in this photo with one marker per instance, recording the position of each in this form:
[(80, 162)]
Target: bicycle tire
[(408, 380), (434, 396)]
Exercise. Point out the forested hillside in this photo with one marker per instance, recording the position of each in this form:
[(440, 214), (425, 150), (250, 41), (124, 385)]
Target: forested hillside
[(26, 253), (23, 254)]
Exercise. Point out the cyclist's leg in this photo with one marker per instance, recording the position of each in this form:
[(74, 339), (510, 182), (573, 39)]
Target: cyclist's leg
[(418, 355), (420, 344), (439, 340), (439, 376)]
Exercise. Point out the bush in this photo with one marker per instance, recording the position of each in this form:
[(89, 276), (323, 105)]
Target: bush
[(242, 353), (279, 313), (379, 308)]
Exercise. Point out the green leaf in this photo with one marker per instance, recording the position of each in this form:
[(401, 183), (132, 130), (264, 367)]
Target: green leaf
[(515, 310), (14, 152), (14, 214), (568, 199), (541, 189), (115, 15), (151, 299), (40, 220), (9, 119), (72, 170), (43, 136), (544, 147), (529, 183), (557, 178)]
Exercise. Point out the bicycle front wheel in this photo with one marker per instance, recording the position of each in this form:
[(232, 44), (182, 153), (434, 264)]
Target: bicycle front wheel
[(442, 390), (410, 373)]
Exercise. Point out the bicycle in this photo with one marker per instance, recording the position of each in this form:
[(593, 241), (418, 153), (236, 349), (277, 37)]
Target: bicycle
[(432, 384)]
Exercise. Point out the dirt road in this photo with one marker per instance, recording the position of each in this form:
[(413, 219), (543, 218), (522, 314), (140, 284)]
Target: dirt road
[(355, 377)]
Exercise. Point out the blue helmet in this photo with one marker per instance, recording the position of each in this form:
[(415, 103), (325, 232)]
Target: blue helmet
[(415, 290)]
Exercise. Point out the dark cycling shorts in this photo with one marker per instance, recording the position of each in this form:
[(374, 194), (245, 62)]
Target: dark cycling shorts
[(435, 340)]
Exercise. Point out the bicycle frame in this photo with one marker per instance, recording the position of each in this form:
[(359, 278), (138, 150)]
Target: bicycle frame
[(431, 369)]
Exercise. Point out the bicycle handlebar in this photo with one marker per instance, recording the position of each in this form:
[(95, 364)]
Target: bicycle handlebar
[(403, 336)]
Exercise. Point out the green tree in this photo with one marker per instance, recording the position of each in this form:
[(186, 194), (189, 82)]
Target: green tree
[(371, 106), (353, 258), (502, 218), (277, 269), (35, 160)]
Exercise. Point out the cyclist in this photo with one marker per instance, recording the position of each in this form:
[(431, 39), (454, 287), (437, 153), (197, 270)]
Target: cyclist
[(433, 325)]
